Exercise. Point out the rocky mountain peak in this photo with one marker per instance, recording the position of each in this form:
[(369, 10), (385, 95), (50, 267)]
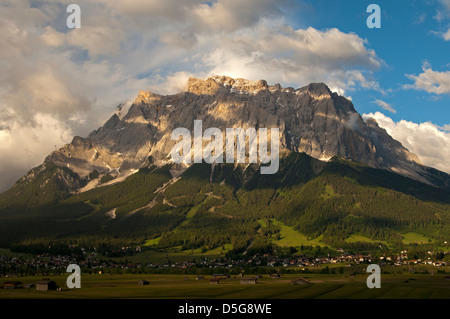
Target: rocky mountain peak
[(225, 84), (204, 87), (145, 97), (311, 119), (317, 91), (372, 122)]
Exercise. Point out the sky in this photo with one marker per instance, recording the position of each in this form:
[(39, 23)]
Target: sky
[(57, 82)]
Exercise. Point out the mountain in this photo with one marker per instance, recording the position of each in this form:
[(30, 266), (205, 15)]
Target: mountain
[(311, 119), (339, 176)]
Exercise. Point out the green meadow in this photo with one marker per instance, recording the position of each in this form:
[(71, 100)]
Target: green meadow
[(289, 237), (412, 237), (174, 255), (393, 286)]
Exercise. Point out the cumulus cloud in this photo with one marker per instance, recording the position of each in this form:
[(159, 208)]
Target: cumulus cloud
[(23, 147), (446, 35), (385, 106), (427, 140), (430, 81), (197, 16), (249, 39), (297, 57), (75, 78)]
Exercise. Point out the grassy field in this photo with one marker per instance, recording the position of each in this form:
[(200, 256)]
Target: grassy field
[(291, 237), (411, 237), (358, 238), (329, 192), (406, 286), (174, 255)]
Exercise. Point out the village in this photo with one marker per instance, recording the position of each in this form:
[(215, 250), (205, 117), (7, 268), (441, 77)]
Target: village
[(46, 264)]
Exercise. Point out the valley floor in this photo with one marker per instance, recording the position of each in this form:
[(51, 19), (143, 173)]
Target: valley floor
[(167, 286)]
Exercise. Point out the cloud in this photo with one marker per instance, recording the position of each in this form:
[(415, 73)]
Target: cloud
[(77, 77), (442, 34), (443, 10), (385, 106), (297, 57), (248, 39), (96, 39), (446, 35), (430, 81), (427, 140), (52, 37), (446, 5), (420, 19), (24, 147), (197, 16), (445, 127), (233, 15)]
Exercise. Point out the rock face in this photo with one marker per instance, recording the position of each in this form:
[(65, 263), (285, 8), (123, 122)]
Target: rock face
[(311, 119)]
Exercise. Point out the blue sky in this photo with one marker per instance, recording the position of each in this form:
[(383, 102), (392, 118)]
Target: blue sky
[(57, 82), (409, 38)]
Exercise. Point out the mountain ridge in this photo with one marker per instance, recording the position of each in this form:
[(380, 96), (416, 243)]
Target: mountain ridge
[(311, 119)]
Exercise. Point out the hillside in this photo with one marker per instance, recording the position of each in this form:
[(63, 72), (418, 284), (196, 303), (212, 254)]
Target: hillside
[(330, 203)]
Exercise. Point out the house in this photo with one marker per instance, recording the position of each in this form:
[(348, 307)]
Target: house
[(275, 275), (300, 281), (186, 278), (249, 281), (143, 282), (214, 281), (199, 278), (221, 276), (12, 285), (46, 285)]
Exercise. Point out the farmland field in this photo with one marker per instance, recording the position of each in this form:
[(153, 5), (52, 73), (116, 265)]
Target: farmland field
[(397, 286)]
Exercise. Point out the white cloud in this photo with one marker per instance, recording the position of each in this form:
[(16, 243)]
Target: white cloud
[(196, 16), (430, 81), (24, 147), (174, 83), (442, 34), (443, 10), (385, 106), (96, 39), (52, 37), (446, 35), (78, 76), (297, 57), (430, 143)]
